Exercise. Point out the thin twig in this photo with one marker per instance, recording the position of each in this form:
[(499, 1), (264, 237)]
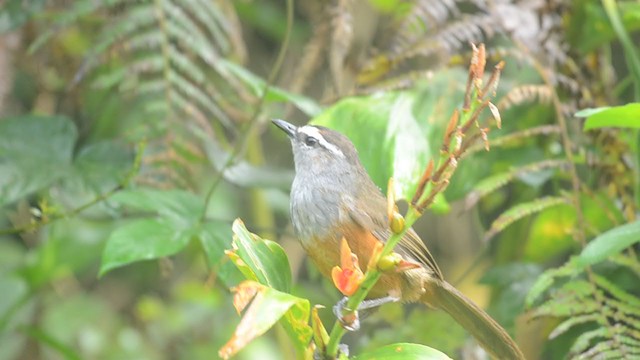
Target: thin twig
[(98, 199), (246, 131)]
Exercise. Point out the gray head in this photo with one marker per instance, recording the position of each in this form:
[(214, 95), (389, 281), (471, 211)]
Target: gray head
[(329, 178), (318, 150)]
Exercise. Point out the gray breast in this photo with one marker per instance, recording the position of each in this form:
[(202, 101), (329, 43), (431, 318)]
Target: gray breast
[(315, 209)]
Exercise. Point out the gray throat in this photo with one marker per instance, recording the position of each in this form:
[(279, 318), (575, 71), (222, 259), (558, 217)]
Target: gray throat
[(317, 202)]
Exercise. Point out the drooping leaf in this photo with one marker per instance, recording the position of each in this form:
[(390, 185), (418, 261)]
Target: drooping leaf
[(266, 306), (144, 239), (266, 259), (35, 151), (609, 243), (274, 94), (403, 351), (242, 173)]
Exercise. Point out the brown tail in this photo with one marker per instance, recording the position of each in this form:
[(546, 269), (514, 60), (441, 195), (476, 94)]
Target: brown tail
[(491, 336)]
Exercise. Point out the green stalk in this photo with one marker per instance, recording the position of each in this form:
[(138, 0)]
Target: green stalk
[(633, 62), (370, 279)]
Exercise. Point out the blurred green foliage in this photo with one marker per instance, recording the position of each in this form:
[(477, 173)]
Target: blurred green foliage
[(132, 134)]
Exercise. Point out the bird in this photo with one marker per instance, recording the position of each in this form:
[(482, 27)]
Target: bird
[(333, 198)]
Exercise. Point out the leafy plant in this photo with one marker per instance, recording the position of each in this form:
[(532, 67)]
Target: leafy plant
[(133, 133), (463, 130)]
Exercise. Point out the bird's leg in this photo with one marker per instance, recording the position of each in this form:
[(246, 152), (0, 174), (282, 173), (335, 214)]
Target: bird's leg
[(342, 349), (351, 321)]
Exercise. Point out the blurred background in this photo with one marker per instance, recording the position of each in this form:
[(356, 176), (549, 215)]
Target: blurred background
[(124, 125)]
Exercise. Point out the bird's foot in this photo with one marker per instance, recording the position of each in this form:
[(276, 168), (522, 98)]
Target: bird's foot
[(350, 318)]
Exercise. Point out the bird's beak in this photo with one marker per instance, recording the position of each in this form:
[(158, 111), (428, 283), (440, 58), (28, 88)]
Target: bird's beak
[(289, 129)]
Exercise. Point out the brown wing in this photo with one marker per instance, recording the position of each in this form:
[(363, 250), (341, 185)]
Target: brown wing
[(410, 245)]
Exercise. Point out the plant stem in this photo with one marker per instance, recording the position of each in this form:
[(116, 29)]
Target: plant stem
[(370, 279), (248, 128), (137, 163)]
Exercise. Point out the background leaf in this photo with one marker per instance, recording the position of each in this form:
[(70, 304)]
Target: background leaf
[(35, 151), (102, 165), (625, 116), (609, 243), (403, 351), (397, 133), (215, 238), (179, 206), (143, 240)]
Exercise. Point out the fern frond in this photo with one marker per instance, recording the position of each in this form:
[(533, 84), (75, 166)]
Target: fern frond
[(520, 211), (515, 137), (594, 301), (495, 182), (526, 93), (170, 57), (453, 36), (426, 15), (77, 10)]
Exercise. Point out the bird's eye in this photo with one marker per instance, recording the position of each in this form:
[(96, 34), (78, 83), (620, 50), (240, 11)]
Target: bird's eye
[(310, 141)]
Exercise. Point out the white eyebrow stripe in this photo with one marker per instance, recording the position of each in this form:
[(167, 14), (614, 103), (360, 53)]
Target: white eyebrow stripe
[(315, 133)]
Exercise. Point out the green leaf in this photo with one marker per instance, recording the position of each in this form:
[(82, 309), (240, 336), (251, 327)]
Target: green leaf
[(590, 18), (397, 133), (626, 116), (384, 146), (103, 164), (296, 323), (35, 151), (274, 94), (403, 351), (267, 307), (143, 240), (215, 238), (178, 205), (609, 243), (266, 259)]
